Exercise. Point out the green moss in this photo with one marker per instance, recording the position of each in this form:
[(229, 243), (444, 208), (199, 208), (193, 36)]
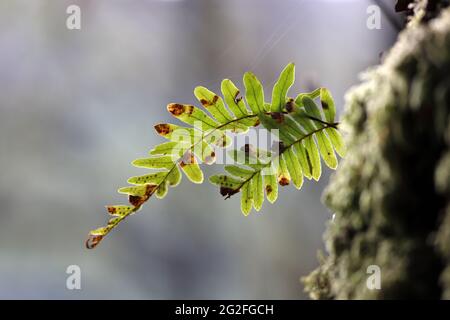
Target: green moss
[(390, 195)]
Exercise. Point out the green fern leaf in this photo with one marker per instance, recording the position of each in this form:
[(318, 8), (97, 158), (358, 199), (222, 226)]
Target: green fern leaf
[(327, 102), (232, 98), (239, 171), (304, 159), (285, 81), (284, 178), (258, 191), (270, 184), (191, 168), (314, 157), (254, 93), (337, 141), (247, 197), (294, 168), (213, 103), (170, 148), (162, 190), (192, 115)]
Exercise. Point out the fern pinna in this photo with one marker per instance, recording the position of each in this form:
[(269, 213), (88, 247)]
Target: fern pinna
[(305, 133)]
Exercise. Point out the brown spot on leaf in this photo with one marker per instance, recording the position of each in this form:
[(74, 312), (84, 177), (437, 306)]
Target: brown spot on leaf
[(237, 98), (277, 116), (249, 149), (176, 109), (228, 192), (137, 201), (111, 210), (211, 158), (188, 158), (308, 159), (290, 105), (283, 181), (93, 240), (281, 147), (269, 189), (205, 103), (189, 109), (163, 129), (324, 105), (150, 188), (222, 141)]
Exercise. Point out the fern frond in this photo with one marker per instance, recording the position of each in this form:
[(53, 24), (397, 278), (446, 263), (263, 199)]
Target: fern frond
[(306, 134)]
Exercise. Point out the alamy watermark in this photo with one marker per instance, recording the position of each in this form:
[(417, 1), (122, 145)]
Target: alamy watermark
[(373, 282), (73, 21), (373, 21), (73, 281)]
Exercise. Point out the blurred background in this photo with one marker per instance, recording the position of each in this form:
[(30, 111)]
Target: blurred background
[(77, 106)]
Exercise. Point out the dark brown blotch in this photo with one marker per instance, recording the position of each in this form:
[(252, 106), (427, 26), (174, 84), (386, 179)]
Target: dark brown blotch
[(211, 158), (283, 181), (189, 109), (290, 105), (150, 189), (111, 210), (163, 129), (137, 201), (176, 109), (249, 150), (93, 240), (237, 98), (324, 105), (228, 192), (188, 158), (277, 116), (308, 159), (281, 147), (205, 103), (222, 141), (269, 189)]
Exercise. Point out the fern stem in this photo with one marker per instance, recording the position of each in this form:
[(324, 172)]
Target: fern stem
[(332, 125)]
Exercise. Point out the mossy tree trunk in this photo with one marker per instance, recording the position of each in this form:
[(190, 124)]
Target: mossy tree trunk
[(391, 194)]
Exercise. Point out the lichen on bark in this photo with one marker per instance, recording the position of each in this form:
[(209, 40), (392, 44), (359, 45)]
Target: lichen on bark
[(391, 195)]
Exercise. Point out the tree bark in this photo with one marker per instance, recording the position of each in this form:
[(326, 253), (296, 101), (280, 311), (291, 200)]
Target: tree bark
[(391, 194)]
